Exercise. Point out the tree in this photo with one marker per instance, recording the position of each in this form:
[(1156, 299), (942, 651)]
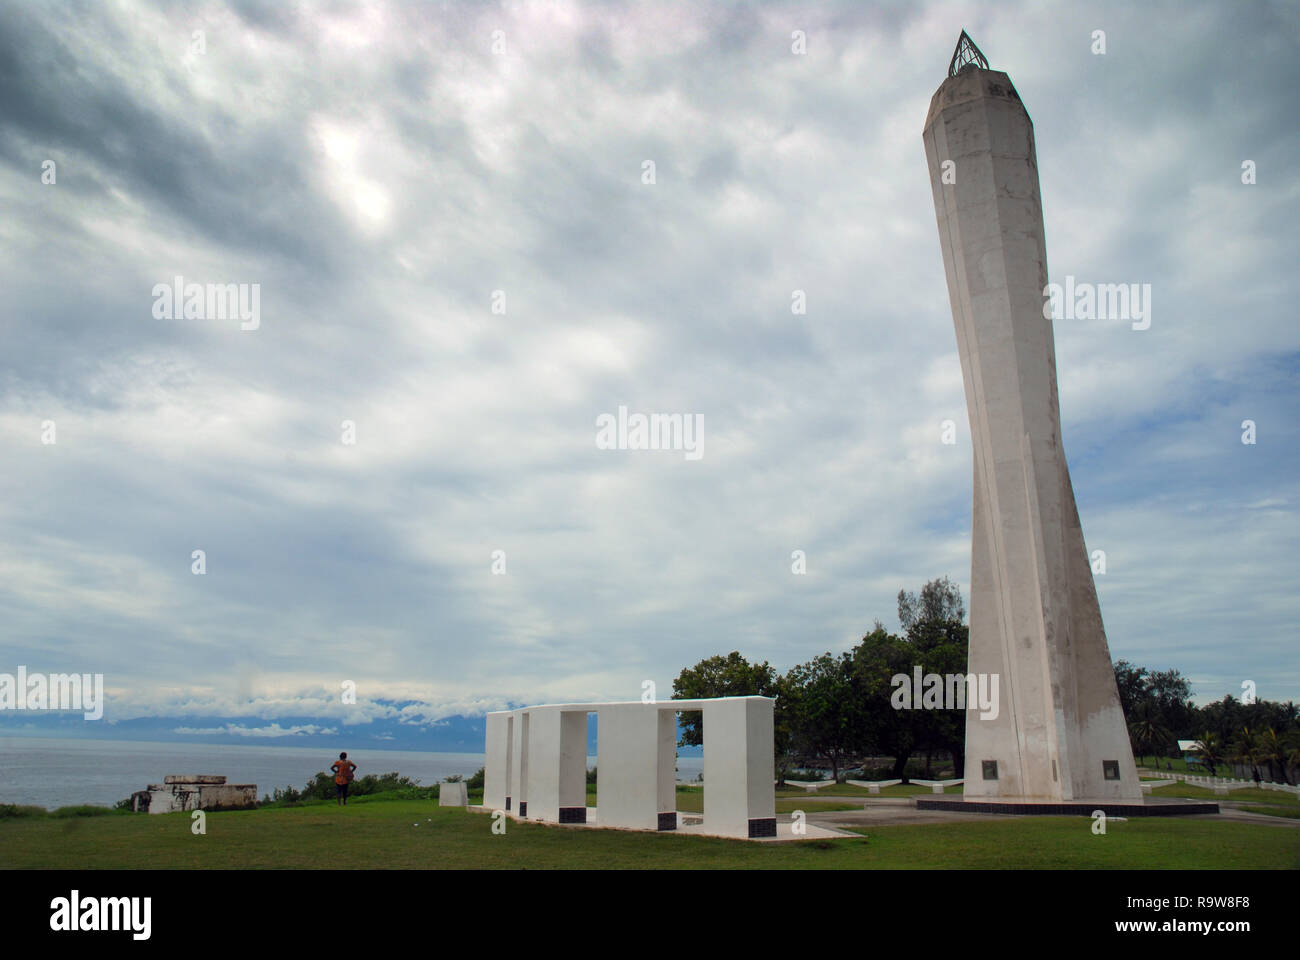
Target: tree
[(1292, 754), (882, 729), (938, 602), (1162, 697), (1274, 750), (1147, 731), (1211, 751), (940, 643), (824, 709), (729, 676), (1131, 682), (1246, 751), (1171, 695)]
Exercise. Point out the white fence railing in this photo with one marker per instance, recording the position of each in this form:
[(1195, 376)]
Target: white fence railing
[(1223, 785)]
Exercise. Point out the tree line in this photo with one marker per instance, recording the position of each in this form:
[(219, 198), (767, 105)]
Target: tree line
[(1259, 738), (835, 712)]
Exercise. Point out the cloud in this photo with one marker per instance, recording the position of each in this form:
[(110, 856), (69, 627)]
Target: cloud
[(381, 172), (274, 730)]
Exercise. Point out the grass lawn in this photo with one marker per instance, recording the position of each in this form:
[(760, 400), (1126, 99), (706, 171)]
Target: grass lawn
[(1175, 765), (1273, 798), (384, 834)]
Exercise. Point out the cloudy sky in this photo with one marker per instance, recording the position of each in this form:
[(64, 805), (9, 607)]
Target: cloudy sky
[(445, 209)]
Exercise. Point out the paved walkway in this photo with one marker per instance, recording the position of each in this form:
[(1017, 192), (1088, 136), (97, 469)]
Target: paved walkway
[(891, 811)]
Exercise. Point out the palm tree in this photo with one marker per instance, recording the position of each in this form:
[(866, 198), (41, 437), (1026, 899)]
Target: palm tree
[(1293, 755), (1274, 750), (1211, 750), (1246, 750), (1147, 732)]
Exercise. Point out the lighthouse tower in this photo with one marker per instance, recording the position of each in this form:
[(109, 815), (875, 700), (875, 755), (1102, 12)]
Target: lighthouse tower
[(1060, 733)]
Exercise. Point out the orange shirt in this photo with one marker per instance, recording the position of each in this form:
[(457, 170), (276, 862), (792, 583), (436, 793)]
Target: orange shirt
[(343, 771)]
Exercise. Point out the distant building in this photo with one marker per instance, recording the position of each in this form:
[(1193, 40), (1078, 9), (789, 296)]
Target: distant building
[(1191, 752)]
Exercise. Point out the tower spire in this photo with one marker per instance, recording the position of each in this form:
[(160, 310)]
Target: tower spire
[(966, 55)]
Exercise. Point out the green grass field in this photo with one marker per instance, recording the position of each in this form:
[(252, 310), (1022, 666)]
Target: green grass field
[(419, 834)]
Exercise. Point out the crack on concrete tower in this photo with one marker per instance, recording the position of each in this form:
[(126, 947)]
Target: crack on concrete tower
[(966, 55)]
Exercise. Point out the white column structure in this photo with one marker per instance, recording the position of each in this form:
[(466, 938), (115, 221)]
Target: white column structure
[(545, 778), (739, 766), (553, 781), (636, 751), (1035, 621), (496, 766)]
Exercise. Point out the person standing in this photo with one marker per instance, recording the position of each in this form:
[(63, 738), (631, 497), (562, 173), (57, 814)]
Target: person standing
[(343, 773)]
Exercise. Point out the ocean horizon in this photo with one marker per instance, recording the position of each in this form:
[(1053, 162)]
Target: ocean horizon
[(54, 772)]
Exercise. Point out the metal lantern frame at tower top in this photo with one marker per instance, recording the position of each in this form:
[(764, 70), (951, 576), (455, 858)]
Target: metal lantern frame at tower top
[(966, 54)]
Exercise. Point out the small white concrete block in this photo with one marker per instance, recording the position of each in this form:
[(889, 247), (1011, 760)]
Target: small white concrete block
[(873, 786), (453, 795)]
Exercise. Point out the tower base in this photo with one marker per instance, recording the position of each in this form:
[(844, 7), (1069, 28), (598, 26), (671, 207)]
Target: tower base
[(1153, 807)]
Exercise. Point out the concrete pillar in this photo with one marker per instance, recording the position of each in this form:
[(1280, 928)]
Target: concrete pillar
[(635, 757), (556, 765), (739, 766), (573, 766), (517, 786), (496, 759)]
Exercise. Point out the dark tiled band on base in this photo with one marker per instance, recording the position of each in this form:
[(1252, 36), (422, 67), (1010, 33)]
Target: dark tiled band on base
[(668, 821), (507, 803), (1050, 809), (763, 827), (573, 814), (523, 808)]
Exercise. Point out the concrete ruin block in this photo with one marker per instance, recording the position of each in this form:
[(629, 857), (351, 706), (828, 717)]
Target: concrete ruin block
[(185, 792), (226, 796), (198, 778)]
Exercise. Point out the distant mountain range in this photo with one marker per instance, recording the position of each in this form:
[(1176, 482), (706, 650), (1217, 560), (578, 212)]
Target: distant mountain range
[(449, 735)]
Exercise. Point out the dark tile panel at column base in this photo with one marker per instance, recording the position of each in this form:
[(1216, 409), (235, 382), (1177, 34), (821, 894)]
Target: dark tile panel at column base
[(762, 827), (573, 814), (507, 803), (523, 808), (668, 821)]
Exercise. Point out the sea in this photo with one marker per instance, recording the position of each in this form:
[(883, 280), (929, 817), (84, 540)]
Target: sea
[(62, 772)]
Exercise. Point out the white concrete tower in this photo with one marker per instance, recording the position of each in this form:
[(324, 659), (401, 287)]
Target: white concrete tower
[(1059, 734)]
